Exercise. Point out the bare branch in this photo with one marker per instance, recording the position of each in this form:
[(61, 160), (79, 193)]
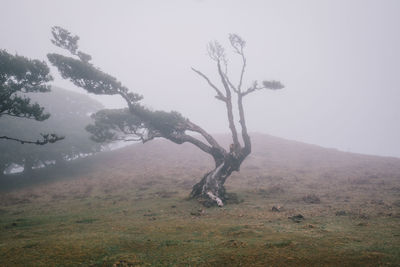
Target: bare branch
[(215, 51), (219, 95), (228, 105), (195, 128), (180, 138), (47, 138), (251, 89), (242, 73), (272, 85), (238, 45), (231, 84), (246, 138)]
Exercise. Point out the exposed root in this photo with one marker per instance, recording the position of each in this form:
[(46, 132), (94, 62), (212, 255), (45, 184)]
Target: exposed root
[(216, 199)]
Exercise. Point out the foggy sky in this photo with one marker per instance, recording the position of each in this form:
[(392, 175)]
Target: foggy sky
[(339, 60)]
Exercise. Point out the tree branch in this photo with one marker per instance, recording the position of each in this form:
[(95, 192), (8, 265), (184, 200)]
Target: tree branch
[(231, 84), (25, 116), (243, 70), (228, 106), (238, 45), (47, 138), (272, 85), (195, 128), (246, 138), (180, 138), (220, 95)]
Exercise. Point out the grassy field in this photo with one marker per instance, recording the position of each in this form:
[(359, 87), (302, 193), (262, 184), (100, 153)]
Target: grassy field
[(130, 208)]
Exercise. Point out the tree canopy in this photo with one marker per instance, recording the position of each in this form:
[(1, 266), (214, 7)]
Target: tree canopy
[(19, 76), (70, 114)]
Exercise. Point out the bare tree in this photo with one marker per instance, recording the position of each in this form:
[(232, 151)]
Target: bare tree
[(141, 124)]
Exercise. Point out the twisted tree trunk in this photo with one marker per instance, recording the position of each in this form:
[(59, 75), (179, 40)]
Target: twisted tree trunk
[(210, 190)]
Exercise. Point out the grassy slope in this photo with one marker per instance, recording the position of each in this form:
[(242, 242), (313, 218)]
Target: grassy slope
[(129, 207)]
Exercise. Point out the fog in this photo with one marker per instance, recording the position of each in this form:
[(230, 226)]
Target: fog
[(339, 60)]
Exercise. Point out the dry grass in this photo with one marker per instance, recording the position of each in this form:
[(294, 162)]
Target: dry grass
[(130, 208)]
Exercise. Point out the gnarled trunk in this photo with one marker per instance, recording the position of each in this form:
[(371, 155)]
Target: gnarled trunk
[(210, 190)]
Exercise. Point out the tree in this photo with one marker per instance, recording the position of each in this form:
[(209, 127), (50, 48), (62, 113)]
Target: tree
[(18, 76), (139, 123), (70, 113)]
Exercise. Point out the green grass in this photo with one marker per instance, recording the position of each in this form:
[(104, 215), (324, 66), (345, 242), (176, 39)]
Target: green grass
[(99, 231)]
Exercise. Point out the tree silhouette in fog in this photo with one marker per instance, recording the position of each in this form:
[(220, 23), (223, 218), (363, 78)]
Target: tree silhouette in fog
[(70, 113), (19, 76), (136, 122)]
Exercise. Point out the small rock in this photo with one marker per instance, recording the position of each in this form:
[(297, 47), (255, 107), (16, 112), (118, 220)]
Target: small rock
[(377, 202), (197, 212), (234, 243), (277, 208), (312, 199), (341, 213), (297, 218), (150, 214)]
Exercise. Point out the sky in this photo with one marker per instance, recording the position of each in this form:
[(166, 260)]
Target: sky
[(339, 60)]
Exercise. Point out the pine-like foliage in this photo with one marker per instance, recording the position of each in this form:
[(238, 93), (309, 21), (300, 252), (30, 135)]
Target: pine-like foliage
[(70, 113), (20, 75), (138, 121)]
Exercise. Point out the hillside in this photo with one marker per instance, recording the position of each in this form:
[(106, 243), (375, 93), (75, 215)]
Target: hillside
[(129, 207), (69, 115)]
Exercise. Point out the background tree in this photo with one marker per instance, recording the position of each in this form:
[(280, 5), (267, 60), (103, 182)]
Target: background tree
[(70, 113), (136, 122), (18, 76)]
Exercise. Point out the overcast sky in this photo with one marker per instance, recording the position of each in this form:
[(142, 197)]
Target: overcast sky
[(339, 60)]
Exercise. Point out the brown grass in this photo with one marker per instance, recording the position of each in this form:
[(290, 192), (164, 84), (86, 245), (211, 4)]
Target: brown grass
[(130, 208)]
